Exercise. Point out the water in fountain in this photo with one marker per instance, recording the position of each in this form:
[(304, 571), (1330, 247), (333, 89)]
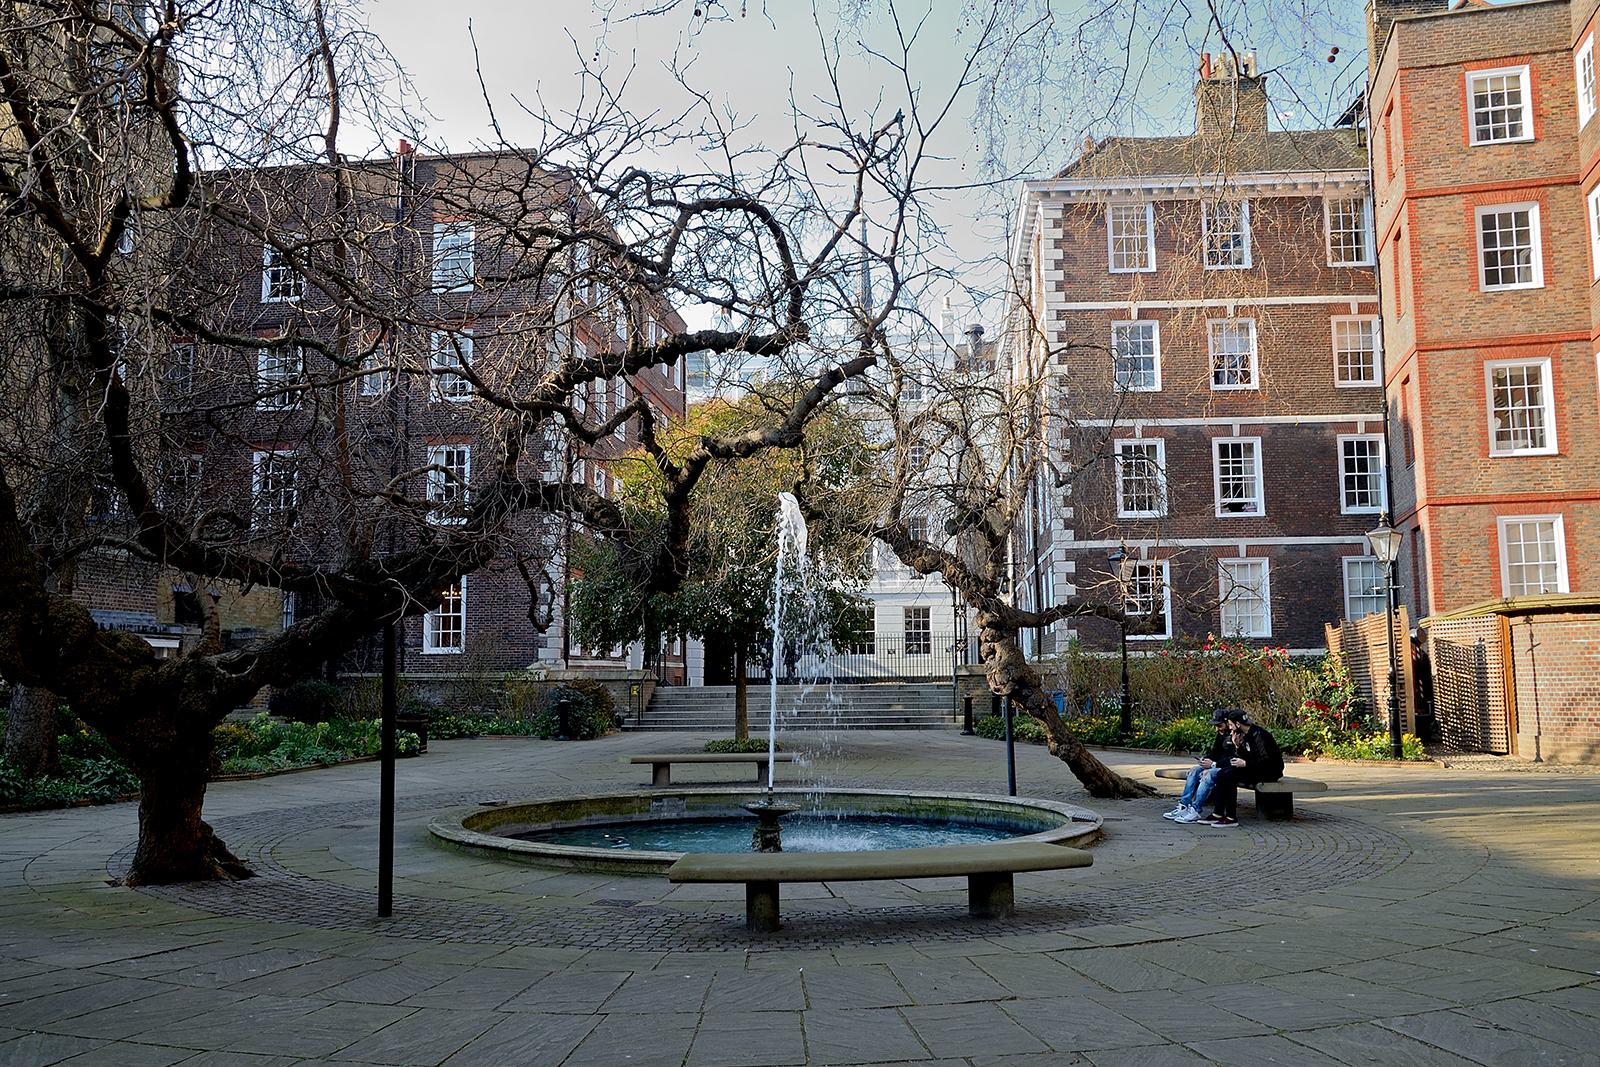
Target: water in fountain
[(792, 534)]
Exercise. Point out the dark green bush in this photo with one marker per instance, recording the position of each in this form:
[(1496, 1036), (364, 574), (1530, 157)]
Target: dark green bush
[(264, 745), (739, 744), (584, 718), (310, 700), (1024, 728)]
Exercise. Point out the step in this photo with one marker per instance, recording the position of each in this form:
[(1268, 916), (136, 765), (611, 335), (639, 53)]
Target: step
[(888, 706)]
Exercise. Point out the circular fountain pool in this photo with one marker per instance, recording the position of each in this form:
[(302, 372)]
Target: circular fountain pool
[(542, 832)]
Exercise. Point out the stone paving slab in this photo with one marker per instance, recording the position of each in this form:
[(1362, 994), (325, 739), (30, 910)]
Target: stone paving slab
[(1431, 917)]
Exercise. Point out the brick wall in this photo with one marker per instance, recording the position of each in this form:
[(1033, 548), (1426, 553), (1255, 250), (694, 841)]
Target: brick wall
[(1557, 686)]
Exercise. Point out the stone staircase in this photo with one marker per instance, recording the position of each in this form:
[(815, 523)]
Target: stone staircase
[(885, 706)]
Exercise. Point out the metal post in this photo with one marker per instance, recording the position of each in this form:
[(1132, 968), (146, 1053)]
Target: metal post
[(1011, 753), (1396, 746), (562, 706), (1126, 725), (966, 716), (386, 776)]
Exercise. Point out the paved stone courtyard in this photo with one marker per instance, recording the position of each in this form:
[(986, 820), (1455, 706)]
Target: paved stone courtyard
[(1409, 916)]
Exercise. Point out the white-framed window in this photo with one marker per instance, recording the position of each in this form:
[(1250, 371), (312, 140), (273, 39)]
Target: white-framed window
[(1533, 555), (1236, 468), (1226, 226), (1141, 479), (1233, 353), (1149, 592), (916, 457), (280, 282), (180, 479), (911, 388), (1361, 488), (1355, 350), (375, 376), (918, 631), (277, 371), (1246, 598), (1364, 592), (1583, 69), (182, 360), (448, 352), (453, 266), (621, 432), (274, 494), (447, 483), (1522, 413), (444, 629), (917, 527), (1130, 236), (1594, 230), (1509, 247), (1349, 225), (1499, 103), (1136, 355)]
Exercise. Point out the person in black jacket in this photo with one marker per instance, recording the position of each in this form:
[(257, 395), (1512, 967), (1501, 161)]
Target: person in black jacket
[(1202, 778), (1256, 759)]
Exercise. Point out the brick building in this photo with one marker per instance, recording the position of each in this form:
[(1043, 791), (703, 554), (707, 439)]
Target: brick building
[(362, 421), (1203, 314), (1487, 321), (1484, 161)]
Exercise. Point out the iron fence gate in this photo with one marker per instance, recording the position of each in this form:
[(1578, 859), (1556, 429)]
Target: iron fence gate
[(884, 658)]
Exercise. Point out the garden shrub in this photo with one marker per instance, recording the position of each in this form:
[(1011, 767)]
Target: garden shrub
[(264, 745), (586, 718), (1023, 728), (309, 700), (739, 744)]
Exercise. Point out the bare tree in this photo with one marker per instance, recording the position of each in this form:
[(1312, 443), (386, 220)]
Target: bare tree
[(268, 325)]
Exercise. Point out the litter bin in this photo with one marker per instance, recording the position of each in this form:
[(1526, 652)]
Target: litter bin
[(417, 724)]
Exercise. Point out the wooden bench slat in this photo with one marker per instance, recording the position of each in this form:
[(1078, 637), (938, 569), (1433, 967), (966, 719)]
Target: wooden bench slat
[(710, 757), (932, 861), (988, 868)]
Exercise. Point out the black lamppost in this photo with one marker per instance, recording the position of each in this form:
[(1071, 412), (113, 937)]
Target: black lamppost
[(1385, 542), (1119, 564)]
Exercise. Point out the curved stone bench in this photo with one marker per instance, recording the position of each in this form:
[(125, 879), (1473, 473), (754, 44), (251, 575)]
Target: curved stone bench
[(661, 766), (1274, 800), (988, 868)]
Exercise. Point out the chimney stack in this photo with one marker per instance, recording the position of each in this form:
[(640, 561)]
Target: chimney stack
[(1230, 98), (1381, 15)]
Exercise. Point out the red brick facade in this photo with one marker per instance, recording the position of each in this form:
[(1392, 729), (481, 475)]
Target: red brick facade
[(345, 435), (1159, 356), (1483, 123), (1466, 462)]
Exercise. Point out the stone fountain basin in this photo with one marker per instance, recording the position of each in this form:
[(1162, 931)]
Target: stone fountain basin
[(485, 830)]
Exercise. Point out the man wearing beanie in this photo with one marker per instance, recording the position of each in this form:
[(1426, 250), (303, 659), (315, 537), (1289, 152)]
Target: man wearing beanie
[(1256, 759), (1203, 775)]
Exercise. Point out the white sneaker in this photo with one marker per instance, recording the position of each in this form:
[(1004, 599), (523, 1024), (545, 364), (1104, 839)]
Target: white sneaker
[(1188, 815), (1175, 812)]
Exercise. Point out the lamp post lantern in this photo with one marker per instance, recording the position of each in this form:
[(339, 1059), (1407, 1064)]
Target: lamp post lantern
[(1385, 542), (1119, 564)]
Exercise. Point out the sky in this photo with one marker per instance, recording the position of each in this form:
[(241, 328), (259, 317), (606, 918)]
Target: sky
[(751, 63)]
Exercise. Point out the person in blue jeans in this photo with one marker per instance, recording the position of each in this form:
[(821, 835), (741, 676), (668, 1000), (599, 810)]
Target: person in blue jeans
[(1203, 775), (1256, 759)]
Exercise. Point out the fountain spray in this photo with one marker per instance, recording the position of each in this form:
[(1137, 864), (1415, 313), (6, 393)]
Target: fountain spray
[(791, 533)]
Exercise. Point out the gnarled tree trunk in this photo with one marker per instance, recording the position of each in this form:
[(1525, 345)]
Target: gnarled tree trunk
[(175, 843), (741, 695), (31, 731), (1009, 675)]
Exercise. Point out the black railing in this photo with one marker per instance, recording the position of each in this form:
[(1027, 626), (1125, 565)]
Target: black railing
[(885, 658)]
